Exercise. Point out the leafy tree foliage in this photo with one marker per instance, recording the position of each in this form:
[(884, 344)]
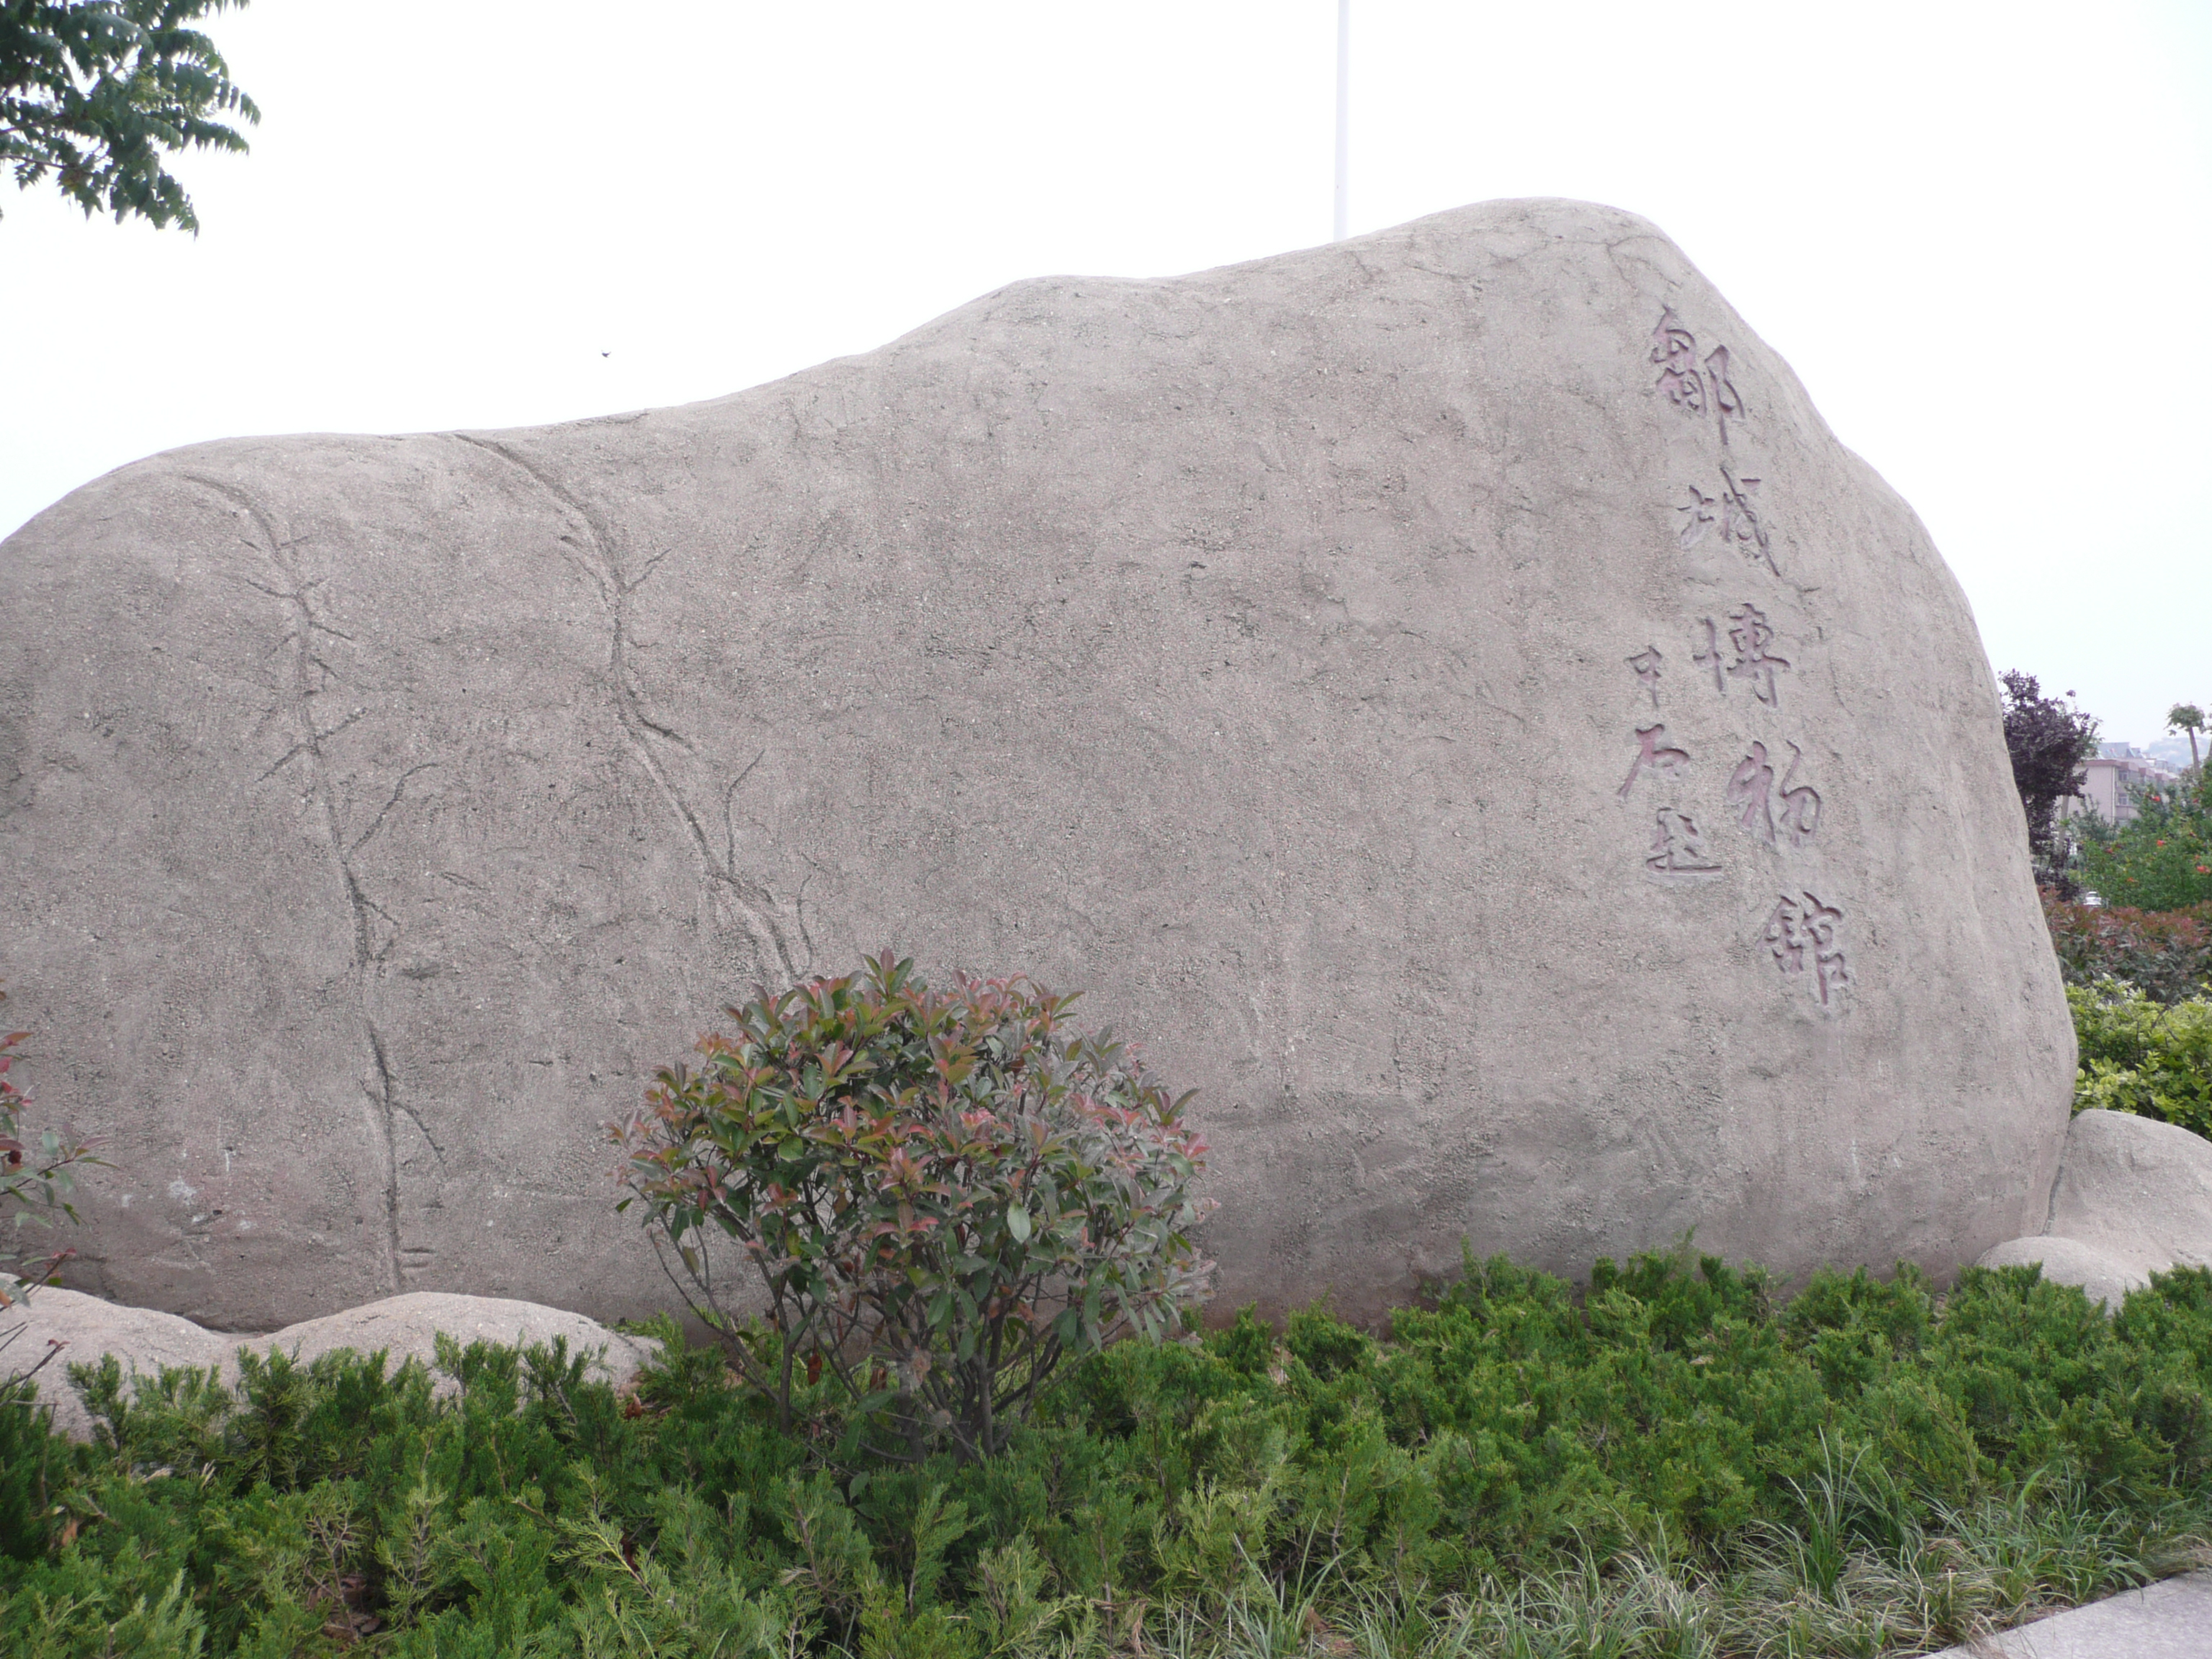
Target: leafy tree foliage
[(2142, 1056), (95, 92), (2189, 718), (2048, 740), (2165, 954), (2160, 860)]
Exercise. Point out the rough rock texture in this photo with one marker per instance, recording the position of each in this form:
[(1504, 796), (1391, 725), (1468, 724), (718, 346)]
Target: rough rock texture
[(407, 1328), (404, 1328), (1446, 692), (2133, 1197)]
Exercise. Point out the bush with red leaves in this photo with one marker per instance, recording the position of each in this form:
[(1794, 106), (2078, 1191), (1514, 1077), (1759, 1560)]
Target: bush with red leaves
[(941, 1194)]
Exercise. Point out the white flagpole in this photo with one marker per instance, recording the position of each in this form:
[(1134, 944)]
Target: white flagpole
[(1343, 120)]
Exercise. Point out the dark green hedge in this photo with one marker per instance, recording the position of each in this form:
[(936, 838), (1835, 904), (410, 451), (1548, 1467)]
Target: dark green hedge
[(1516, 1427)]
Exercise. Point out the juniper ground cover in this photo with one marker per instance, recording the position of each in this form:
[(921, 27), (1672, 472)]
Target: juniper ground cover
[(1676, 1460)]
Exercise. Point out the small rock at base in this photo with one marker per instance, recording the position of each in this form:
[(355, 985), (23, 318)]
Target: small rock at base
[(2068, 1262), (403, 1326)]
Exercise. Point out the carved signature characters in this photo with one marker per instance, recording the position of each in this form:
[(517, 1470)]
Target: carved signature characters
[(1678, 852), (1647, 664), (1653, 753)]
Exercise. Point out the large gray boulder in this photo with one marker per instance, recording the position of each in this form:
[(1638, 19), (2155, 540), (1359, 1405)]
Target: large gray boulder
[(1447, 693)]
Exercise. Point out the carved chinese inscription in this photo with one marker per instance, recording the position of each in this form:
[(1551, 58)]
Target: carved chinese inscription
[(1675, 348), (1806, 937), (1709, 655), (1752, 794), (1801, 803), (1678, 851), (1690, 386), (1725, 400), (1654, 755), (1647, 664), (1729, 515), (1801, 934), (1748, 788), (1751, 636)]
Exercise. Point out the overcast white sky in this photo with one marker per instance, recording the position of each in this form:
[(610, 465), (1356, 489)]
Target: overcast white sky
[(1981, 232)]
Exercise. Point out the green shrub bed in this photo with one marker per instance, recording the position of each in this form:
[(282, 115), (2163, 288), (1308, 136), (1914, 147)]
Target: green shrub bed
[(2142, 1056), (2139, 986), (1675, 1460)]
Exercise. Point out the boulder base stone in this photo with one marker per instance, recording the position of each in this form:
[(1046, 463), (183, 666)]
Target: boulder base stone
[(56, 1329), (2102, 1278), (144, 1341), (2137, 1189), (1447, 693), (2133, 1197), (408, 1328)]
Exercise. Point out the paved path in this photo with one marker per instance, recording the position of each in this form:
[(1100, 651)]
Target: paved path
[(2170, 1620)]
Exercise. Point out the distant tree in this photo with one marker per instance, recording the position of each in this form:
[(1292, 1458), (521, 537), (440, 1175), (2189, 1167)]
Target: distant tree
[(2160, 859), (2187, 717), (95, 91), (2048, 740)]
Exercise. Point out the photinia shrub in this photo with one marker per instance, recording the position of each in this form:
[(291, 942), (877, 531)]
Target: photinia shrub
[(942, 1195), (2165, 954)]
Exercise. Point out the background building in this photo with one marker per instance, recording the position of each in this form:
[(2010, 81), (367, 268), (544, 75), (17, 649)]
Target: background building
[(2116, 772)]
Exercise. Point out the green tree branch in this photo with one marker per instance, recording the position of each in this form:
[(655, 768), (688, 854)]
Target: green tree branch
[(95, 94)]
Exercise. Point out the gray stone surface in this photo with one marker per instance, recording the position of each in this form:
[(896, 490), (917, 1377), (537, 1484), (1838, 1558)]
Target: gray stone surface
[(2103, 1278), (1446, 692), (2170, 1620), (404, 1328), (2136, 1190)]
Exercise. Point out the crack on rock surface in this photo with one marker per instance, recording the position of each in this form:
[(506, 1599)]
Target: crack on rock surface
[(752, 901), (384, 1103)]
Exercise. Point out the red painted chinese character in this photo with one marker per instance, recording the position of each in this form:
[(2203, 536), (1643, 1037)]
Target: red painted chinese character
[(1804, 936)]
